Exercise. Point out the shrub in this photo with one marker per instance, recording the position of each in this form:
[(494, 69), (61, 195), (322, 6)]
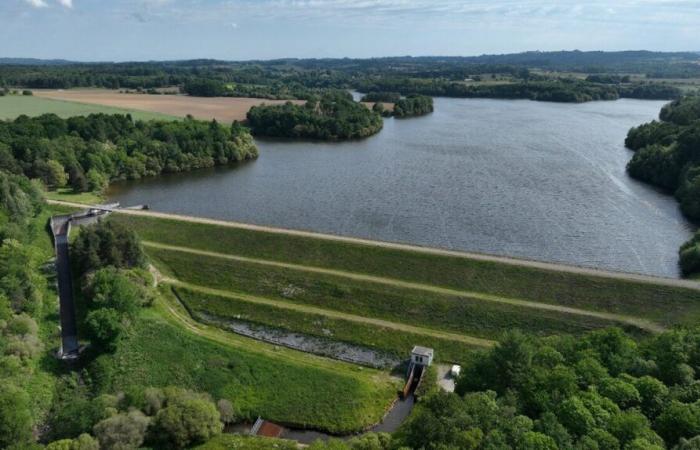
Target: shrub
[(187, 421), (122, 431), (106, 243), (15, 416)]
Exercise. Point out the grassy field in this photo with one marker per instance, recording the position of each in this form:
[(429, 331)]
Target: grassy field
[(665, 305), (397, 343), (12, 106), (259, 379), (69, 195), (471, 317)]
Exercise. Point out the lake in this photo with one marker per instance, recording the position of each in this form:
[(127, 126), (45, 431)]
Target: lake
[(534, 180)]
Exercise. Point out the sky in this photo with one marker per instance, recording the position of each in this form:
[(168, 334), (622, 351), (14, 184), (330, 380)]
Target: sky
[(136, 30)]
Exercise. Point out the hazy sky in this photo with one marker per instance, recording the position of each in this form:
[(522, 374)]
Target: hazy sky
[(251, 29)]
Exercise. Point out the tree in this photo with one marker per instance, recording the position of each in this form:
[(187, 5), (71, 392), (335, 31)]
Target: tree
[(82, 442), (187, 420), (96, 180), (226, 411), (15, 416), (678, 420), (536, 441), (122, 431), (574, 415), (106, 243), (628, 426), (653, 394), (104, 326), (52, 173), (624, 394)]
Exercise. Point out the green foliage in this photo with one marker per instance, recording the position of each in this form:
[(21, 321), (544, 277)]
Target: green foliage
[(428, 384), (474, 421), (110, 147), (103, 327), (205, 88), (334, 117), (114, 299), (668, 155), (683, 111), (82, 442), (413, 105), (20, 281), (381, 97), (690, 255), (563, 90), (122, 431), (394, 342), (654, 132), (399, 304), (257, 379), (242, 442), (20, 200), (575, 400), (15, 416), (667, 305), (186, 420), (678, 420), (106, 243), (650, 91)]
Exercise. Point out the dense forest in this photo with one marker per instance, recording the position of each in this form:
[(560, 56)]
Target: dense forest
[(86, 153), (413, 105), (335, 116), (603, 390), (667, 154), (560, 90), (303, 79)]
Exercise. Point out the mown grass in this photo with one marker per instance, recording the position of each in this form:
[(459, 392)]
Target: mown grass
[(394, 342), (288, 389), (442, 312), (69, 195), (664, 304), (12, 106)]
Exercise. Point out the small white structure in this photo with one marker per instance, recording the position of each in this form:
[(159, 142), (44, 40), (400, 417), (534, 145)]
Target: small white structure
[(455, 370), (422, 356)]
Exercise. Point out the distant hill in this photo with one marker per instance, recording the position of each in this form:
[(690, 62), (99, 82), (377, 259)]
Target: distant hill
[(572, 59), (34, 62)]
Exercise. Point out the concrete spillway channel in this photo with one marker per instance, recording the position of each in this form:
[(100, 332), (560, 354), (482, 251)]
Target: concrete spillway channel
[(60, 228)]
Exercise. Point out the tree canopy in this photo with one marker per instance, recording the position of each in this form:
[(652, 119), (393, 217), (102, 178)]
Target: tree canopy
[(667, 154), (86, 152), (335, 116)]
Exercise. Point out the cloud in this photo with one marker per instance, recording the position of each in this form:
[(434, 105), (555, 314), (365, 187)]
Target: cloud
[(37, 3), (66, 3)]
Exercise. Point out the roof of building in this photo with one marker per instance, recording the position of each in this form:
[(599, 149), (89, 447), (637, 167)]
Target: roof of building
[(422, 351), (270, 429)]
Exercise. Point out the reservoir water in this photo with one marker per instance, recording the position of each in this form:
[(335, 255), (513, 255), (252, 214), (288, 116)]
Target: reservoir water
[(534, 180)]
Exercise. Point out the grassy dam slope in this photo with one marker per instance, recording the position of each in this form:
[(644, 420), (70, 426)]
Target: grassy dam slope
[(453, 302), (378, 296)]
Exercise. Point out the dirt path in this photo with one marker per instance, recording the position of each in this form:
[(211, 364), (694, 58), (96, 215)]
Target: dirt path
[(332, 314), (689, 284), (469, 295)]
